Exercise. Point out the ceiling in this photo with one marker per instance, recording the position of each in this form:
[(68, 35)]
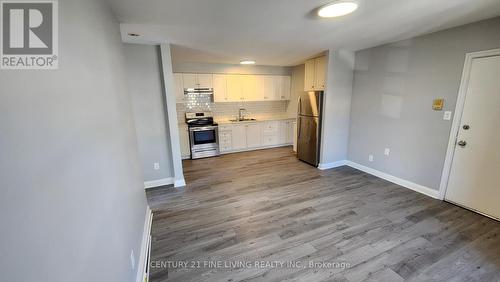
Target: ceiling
[(285, 32)]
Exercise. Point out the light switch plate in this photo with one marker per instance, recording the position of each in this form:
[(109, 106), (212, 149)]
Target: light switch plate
[(387, 151), (447, 115)]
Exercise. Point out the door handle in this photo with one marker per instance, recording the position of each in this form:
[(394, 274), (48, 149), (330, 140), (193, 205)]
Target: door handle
[(462, 143), (299, 129), (299, 110)]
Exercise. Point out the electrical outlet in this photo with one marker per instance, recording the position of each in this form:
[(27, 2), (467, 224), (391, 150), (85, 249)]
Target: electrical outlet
[(370, 158), (447, 115), (156, 166), (132, 259), (387, 151)]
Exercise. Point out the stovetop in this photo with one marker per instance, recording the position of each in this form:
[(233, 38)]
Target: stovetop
[(200, 119)]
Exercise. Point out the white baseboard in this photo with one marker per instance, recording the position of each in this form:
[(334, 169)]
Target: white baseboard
[(159, 182), (180, 182), (323, 166), (143, 258), (405, 183)]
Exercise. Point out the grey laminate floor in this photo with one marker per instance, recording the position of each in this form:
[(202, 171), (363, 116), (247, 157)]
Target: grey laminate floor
[(259, 209)]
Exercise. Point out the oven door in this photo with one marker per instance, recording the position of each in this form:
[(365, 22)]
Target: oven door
[(203, 135), (204, 141)]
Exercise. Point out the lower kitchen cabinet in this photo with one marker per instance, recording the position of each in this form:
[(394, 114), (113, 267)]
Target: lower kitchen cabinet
[(225, 141), (289, 131), (239, 137), (255, 135)]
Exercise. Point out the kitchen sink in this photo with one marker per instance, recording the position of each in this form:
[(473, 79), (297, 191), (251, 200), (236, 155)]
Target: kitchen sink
[(242, 120)]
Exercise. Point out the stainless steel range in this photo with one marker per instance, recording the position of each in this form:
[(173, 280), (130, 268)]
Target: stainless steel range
[(203, 135)]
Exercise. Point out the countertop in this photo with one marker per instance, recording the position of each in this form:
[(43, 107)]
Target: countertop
[(226, 121), (263, 119)]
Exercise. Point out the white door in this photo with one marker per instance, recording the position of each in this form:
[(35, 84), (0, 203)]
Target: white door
[(289, 132), (277, 86), (283, 128), (268, 88), (309, 76), (250, 89), (190, 80), (220, 93), (474, 180), (204, 80), (284, 89), (253, 135), (239, 137), (234, 88), (320, 67), (179, 88)]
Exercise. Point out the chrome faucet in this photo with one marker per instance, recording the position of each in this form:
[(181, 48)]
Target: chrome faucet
[(241, 114)]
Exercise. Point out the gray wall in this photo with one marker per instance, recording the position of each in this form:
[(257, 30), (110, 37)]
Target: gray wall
[(72, 199), (394, 86), (226, 68), (145, 87), (337, 107)]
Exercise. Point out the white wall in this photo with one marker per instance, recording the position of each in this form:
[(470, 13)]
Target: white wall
[(337, 107), (72, 204), (145, 87), (171, 110), (394, 86)]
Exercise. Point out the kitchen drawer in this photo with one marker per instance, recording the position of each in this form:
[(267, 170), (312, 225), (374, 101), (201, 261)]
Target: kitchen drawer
[(225, 148), (225, 141), (225, 127), (270, 139), (223, 134), (270, 127)]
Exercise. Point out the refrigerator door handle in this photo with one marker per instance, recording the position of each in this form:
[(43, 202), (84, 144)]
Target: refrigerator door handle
[(299, 110), (300, 126)]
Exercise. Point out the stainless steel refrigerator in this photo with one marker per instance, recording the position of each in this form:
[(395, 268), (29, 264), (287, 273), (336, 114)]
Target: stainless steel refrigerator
[(310, 107)]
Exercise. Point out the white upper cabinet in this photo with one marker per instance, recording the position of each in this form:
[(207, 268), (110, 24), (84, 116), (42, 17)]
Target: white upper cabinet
[(220, 88), (284, 89), (190, 80), (197, 80), (315, 74), (205, 80), (236, 87), (250, 88), (309, 75), (179, 89), (268, 87), (320, 66)]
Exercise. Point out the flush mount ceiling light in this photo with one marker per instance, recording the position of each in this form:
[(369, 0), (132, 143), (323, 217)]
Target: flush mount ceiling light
[(247, 62), (337, 9), (133, 34)]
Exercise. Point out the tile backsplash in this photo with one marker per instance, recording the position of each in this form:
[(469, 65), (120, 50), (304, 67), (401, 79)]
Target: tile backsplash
[(226, 111)]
